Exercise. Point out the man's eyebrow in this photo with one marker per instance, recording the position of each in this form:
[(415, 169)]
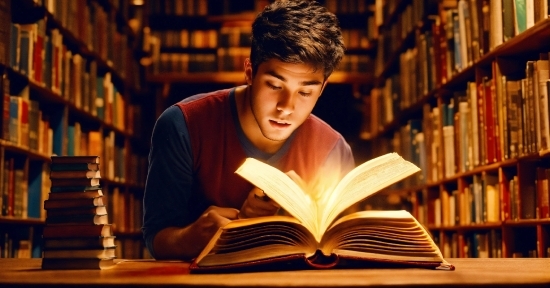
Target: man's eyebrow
[(303, 83)]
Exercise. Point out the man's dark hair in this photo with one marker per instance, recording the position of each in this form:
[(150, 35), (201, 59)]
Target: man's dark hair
[(297, 31)]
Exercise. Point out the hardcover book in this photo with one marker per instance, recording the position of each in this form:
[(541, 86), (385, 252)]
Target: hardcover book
[(100, 253), (315, 236), (72, 231), (78, 242), (79, 194), (82, 219), (74, 166), (78, 174), (75, 159), (74, 211), (72, 203), (77, 263), (74, 182)]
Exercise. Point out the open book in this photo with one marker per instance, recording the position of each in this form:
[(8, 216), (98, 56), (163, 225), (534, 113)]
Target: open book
[(314, 235)]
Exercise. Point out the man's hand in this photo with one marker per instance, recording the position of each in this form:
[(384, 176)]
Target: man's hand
[(186, 243), (211, 220), (258, 204)]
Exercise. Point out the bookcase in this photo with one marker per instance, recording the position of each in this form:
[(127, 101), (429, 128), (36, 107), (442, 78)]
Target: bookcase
[(71, 85), (461, 89)]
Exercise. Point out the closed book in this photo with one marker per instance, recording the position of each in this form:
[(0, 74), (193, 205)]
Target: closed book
[(77, 219), (82, 230), (101, 253), (78, 174), (75, 194), (75, 159), (77, 263), (64, 189), (71, 203), (78, 242), (97, 210), (74, 166), (75, 182)]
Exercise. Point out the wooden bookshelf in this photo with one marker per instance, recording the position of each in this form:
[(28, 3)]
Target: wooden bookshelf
[(69, 88), (475, 121)]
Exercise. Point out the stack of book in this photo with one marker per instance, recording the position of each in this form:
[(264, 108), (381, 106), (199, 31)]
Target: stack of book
[(77, 234)]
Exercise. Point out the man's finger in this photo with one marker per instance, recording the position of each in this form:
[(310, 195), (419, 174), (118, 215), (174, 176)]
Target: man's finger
[(229, 213)]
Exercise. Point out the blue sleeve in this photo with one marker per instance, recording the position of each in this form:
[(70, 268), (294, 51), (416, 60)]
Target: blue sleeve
[(169, 179)]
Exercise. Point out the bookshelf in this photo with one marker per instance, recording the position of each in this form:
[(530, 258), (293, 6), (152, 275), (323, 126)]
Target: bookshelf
[(71, 85), (471, 109)]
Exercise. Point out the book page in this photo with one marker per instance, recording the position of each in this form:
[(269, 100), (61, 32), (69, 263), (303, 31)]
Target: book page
[(259, 238), (283, 190), (363, 181), (392, 235)]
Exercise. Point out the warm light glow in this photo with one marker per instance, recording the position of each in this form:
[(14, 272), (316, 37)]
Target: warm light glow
[(138, 2)]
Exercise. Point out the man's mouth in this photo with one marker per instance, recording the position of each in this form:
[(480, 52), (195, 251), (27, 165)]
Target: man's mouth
[(279, 124)]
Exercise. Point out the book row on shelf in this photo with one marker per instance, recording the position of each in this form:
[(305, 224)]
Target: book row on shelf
[(231, 59), (76, 32), (206, 7), (468, 103), (209, 44), (70, 86), (231, 36), (70, 75), (34, 126)]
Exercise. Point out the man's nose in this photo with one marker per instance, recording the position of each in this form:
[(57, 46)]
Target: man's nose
[(286, 103)]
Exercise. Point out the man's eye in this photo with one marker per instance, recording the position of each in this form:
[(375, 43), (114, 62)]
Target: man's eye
[(305, 94), (273, 86)]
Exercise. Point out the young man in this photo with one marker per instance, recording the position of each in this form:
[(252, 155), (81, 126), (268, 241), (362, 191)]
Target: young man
[(198, 143)]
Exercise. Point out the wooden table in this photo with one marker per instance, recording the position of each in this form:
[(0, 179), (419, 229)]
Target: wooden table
[(524, 272)]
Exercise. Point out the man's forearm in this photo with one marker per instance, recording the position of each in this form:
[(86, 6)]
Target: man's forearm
[(177, 243)]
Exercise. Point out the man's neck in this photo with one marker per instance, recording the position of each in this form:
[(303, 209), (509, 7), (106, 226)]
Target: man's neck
[(248, 122)]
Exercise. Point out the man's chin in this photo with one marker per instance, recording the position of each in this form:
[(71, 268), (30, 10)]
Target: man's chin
[(276, 137)]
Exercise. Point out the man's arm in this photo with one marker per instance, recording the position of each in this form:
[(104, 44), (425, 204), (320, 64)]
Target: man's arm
[(169, 182), (186, 243)]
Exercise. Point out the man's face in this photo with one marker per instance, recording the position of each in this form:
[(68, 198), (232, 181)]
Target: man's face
[(283, 96)]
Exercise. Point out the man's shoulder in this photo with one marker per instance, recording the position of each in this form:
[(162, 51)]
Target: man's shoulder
[(317, 126), (219, 95)]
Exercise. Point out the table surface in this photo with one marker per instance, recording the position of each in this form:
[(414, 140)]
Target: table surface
[(511, 272)]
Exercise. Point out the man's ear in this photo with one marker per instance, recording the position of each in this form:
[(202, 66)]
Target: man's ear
[(248, 71)]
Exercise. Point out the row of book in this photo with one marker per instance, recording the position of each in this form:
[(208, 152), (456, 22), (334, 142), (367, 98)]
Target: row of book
[(454, 40), (203, 7), (42, 56), (20, 244), (487, 199), (179, 7), (28, 124), (491, 244), (484, 244), (5, 21), (95, 26), (496, 118), (231, 59), (77, 233), (391, 38), (228, 37)]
